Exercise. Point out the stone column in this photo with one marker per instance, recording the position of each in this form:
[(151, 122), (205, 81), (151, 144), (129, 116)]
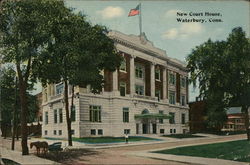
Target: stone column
[(115, 82), (132, 75), (164, 94), (152, 79)]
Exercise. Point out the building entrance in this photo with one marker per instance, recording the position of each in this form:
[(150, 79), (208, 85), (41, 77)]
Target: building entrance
[(145, 128), (154, 128)]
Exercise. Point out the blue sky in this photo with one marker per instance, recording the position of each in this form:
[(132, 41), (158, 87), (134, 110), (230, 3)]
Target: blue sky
[(160, 25)]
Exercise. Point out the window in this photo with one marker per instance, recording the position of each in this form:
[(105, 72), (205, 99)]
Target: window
[(60, 116), (183, 100), (123, 65), (183, 82), (172, 78), (160, 120), (172, 119), (158, 94), (94, 113), (55, 116), (60, 132), (100, 132), (122, 88), (139, 89), (45, 132), (72, 132), (125, 115), (139, 71), (54, 132), (126, 131), (92, 132), (162, 130), (183, 118), (41, 118), (46, 118), (171, 130), (157, 74), (59, 88), (171, 97), (73, 113), (174, 130)]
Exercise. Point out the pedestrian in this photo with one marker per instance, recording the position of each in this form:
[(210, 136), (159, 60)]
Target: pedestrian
[(126, 138)]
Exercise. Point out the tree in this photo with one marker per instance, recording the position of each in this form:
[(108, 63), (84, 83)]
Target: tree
[(10, 103), (25, 28), (78, 54), (223, 71)]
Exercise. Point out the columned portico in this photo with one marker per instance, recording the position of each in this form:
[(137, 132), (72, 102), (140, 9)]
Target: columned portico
[(132, 75), (164, 94), (115, 81), (152, 79)]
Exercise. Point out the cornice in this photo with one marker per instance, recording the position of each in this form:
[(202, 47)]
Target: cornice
[(147, 51)]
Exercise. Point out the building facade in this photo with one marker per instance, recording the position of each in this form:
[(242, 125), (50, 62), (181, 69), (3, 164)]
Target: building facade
[(197, 116), (147, 82), (235, 122)]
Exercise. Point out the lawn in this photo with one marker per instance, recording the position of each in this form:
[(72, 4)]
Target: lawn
[(234, 150), (108, 139), (180, 136)]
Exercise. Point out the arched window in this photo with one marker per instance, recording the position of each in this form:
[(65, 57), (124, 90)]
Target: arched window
[(145, 111)]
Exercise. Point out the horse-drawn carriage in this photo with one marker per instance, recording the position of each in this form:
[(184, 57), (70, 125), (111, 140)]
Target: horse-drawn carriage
[(55, 147)]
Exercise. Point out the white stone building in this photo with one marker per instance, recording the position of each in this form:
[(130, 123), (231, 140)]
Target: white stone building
[(147, 84)]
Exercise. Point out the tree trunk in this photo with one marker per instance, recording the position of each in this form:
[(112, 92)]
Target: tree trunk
[(14, 128), (13, 131), (72, 101), (24, 109), (66, 100), (245, 111), (17, 135)]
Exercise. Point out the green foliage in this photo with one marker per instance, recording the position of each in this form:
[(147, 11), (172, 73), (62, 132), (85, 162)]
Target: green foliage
[(235, 150), (77, 53), (223, 72), (8, 98)]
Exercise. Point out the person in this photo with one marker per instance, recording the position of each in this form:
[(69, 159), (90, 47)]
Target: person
[(126, 138)]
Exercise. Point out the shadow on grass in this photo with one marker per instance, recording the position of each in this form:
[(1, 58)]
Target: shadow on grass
[(69, 155), (181, 136), (9, 162)]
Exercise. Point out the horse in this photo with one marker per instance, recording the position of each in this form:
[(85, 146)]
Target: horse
[(44, 145)]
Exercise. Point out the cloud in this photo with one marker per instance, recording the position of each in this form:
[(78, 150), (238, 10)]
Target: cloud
[(171, 33), (111, 12), (172, 13), (184, 31)]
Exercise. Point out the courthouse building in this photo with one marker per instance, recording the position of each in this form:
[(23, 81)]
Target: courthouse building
[(136, 98)]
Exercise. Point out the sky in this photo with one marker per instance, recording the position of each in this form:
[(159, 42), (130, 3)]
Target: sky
[(159, 21)]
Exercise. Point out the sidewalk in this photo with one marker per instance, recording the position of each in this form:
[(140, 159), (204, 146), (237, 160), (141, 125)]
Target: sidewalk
[(25, 160)]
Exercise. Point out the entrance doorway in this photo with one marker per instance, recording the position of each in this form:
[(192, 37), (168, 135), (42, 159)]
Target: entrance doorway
[(154, 128), (144, 128)]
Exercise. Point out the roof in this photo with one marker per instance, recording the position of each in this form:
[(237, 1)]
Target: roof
[(141, 42), (234, 110)]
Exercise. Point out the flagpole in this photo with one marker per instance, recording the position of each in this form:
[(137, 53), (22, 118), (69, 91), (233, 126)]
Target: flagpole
[(140, 21)]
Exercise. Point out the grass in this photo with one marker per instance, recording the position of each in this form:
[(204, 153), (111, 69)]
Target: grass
[(224, 133), (9, 162), (234, 150), (180, 136), (107, 139)]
